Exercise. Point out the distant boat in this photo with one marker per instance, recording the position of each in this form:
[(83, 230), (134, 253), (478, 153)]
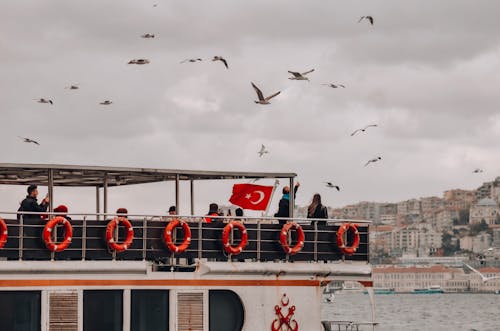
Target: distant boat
[(434, 289), (382, 291), (497, 292)]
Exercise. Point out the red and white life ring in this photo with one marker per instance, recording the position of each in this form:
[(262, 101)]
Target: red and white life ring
[(225, 238), (284, 238), (3, 233), (110, 230), (47, 234), (167, 236), (348, 250)]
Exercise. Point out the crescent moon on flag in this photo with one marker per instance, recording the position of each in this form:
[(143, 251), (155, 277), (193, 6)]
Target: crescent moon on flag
[(261, 197)]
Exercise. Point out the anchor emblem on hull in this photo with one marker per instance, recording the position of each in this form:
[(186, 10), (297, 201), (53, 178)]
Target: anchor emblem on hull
[(282, 322)]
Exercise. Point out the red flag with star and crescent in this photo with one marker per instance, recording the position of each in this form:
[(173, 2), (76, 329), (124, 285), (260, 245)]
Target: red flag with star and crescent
[(250, 196)]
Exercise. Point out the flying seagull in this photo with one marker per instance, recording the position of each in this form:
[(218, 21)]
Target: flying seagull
[(106, 102), (220, 58), (334, 85), (330, 185), (42, 100), (375, 159), (299, 76), (28, 140), (148, 35), (191, 60), (139, 61), (262, 100), (369, 18), (263, 151), (483, 277), (477, 171), (73, 87), (363, 129)]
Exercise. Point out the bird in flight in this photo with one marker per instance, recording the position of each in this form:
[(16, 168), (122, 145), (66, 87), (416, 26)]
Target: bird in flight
[(139, 61), (220, 58), (300, 76), (483, 277), (28, 140), (363, 129), (330, 185), (191, 60), (477, 171), (73, 87), (148, 35), (375, 159), (42, 100), (106, 102), (369, 18), (262, 100), (263, 151), (334, 85)]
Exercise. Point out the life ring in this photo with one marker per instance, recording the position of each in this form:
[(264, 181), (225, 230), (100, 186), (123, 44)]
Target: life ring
[(225, 238), (284, 238), (3, 233), (110, 229), (348, 250), (167, 236), (47, 234)]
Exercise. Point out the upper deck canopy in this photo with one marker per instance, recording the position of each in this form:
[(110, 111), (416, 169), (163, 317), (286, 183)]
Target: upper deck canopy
[(99, 176)]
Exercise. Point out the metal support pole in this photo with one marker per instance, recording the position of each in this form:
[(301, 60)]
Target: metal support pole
[(105, 193), (177, 194), (292, 198), (191, 182), (97, 202), (51, 189)]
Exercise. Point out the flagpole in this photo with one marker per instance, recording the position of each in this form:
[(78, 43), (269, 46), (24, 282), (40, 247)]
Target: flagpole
[(276, 183)]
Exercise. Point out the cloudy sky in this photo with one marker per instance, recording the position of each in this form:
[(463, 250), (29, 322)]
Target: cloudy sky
[(427, 73)]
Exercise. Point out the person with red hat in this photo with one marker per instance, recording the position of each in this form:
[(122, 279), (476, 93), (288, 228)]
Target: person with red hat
[(62, 209)]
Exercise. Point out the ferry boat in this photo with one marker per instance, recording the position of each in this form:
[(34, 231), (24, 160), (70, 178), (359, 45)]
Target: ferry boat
[(107, 272), (434, 289)]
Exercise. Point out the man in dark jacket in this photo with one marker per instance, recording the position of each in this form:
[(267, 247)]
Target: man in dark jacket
[(284, 205), (30, 204)]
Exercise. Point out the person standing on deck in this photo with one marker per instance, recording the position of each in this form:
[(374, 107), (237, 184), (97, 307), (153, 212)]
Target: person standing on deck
[(284, 205), (213, 210), (317, 210), (30, 204)]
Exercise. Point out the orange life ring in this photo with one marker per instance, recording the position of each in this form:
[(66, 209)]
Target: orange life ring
[(284, 238), (3, 233), (225, 238), (167, 236), (110, 229), (348, 250), (47, 234)]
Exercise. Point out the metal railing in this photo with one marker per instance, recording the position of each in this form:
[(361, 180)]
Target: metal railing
[(25, 242)]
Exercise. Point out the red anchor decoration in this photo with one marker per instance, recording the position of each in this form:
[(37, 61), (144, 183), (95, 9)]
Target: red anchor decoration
[(284, 323)]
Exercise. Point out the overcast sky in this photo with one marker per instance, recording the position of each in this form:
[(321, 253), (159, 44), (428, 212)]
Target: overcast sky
[(427, 73)]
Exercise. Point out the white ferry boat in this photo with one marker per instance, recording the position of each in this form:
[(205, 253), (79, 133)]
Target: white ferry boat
[(107, 272)]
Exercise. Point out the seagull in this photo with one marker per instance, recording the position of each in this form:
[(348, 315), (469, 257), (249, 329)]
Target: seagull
[(334, 85), (73, 87), (148, 35), (263, 151), (330, 185), (375, 159), (139, 61), (369, 18), (483, 277), (191, 60), (105, 102), (262, 100), (42, 100), (363, 129), (28, 140), (477, 171), (220, 58), (299, 76)]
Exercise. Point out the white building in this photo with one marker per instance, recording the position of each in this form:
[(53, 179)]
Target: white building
[(486, 209), (477, 244)]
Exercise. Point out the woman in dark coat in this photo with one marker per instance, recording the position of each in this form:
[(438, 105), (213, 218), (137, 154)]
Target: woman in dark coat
[(317, 210)]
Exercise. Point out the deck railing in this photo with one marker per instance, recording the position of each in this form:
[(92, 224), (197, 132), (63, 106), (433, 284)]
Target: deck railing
[(24, 240)]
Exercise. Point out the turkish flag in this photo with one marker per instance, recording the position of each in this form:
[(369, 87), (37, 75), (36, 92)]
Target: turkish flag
[(249, 196)]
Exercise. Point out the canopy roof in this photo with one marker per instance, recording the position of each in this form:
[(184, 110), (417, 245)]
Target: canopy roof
[(97, 176)]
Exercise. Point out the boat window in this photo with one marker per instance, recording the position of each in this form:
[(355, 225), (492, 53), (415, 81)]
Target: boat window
[(226, 311), (20, 310), (149, 311), (102, 310)]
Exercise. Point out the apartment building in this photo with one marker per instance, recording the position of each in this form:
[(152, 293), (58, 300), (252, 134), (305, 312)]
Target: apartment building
[(486, 209)]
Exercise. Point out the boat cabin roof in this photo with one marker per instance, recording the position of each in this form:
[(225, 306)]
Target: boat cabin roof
[(100, 176)]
